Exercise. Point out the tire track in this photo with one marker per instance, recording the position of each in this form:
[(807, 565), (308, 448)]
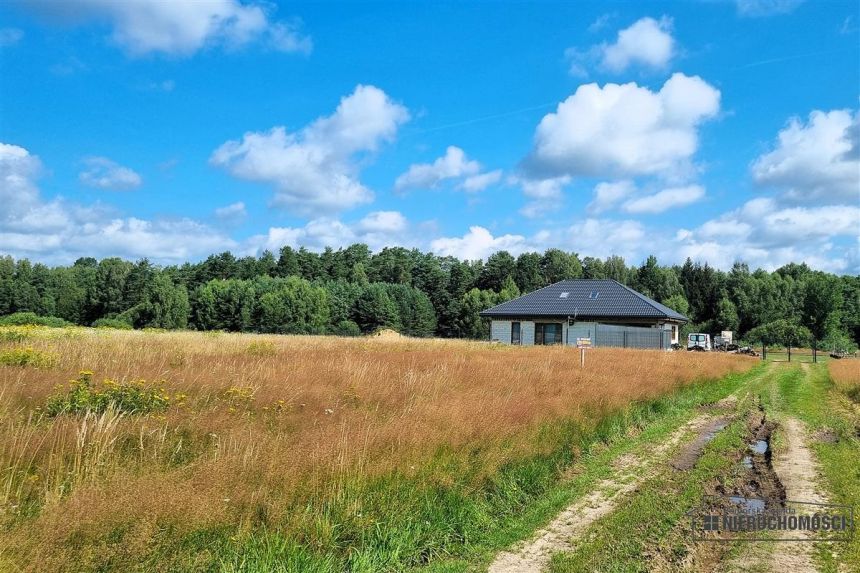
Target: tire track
[(629, 471)]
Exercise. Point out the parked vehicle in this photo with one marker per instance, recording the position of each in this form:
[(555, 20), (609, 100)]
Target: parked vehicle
[(724, 341), (699, 342)]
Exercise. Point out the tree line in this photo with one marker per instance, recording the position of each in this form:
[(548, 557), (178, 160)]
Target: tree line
[(350, 291)]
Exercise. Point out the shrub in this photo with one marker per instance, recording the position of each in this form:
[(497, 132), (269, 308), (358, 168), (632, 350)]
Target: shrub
[(134, 397), (27, 357), (112, 323), (13, 334), (346, 328), (31, 318), (261, 348)]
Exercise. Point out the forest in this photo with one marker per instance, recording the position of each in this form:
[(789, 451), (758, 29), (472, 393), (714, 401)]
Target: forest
[(350, 291)]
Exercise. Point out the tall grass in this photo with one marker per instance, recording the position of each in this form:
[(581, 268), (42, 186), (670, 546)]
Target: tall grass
[(846, 374), (330, 453)]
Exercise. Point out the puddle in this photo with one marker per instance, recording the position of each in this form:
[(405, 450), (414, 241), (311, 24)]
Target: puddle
[(748, 503), (713, 431), (747, 462), (759, 447), (689, 455)]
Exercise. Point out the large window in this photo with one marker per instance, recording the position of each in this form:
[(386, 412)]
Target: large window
[(548, 333), (515, 333)]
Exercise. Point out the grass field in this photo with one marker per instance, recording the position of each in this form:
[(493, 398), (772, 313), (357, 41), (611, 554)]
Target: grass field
[(226, 452)]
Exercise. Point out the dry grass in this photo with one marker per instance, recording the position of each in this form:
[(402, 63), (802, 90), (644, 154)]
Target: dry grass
[(846, 374), (260, 426)]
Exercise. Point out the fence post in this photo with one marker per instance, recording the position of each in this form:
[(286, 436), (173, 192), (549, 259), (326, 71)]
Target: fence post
[(624, 333), (789, 352), (763, 352)]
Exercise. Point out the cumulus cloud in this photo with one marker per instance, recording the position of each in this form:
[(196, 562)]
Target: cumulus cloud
[(106, 174), (481, 181), (624, 130), (544, 195), (759, 8), (609, 194), (767, 234), (664, 200), (315, 170), (478, 243), (59, 231), (605, 237), (232, 213), (454, 165), (378, 229), (181, 27), (647, 42), (817, 160)]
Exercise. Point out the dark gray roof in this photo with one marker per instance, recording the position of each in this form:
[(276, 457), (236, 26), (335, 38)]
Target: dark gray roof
[(612, 300)]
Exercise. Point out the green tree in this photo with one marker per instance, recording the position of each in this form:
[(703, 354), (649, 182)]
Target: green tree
[(374, 309)]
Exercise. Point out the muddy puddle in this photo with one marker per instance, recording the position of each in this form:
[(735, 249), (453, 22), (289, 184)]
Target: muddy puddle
[(688, 456)]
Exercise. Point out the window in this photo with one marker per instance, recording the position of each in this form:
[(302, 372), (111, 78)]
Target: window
[(563, 295), (594, 294), (515, 333), (548, 333)]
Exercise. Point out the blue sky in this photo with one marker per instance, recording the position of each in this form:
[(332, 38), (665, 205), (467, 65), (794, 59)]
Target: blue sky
[(721, 131)]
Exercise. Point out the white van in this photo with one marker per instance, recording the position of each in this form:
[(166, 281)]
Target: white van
[(698, 341)]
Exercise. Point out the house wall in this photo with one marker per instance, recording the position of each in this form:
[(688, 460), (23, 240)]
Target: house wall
[(657, 335)]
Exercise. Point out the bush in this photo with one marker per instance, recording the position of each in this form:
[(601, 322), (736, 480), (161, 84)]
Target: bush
[(130, 397), (13, 334), (346, 328), (31, 318), (261, 348), (112, 323), (27, 357)]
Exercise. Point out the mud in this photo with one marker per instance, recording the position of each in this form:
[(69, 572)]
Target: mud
[(562, 533), (687, 457)]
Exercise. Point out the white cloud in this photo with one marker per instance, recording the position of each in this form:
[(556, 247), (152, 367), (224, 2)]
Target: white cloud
[(665, 199), (758, 8), (647, 42), (59, 231), (453, 165), (378, 229), (10, 36), (481, 181), (383, 221), (624, 130), (103, 173), (478, 243), (765, 234), (608, 194), (605, 237), (181, 27), (545, 194), (316, 169), (232, 213), (819, 160)]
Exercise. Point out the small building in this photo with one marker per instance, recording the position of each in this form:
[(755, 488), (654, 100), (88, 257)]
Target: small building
[(605, 311)]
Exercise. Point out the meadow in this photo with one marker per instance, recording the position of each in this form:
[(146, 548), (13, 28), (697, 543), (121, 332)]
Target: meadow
[(183, 451)]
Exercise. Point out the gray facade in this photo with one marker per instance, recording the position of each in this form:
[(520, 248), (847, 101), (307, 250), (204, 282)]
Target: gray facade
[(607, 312), (601, 334)]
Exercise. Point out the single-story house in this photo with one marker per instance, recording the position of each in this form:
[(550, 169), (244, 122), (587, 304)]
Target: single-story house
[(604, 311)]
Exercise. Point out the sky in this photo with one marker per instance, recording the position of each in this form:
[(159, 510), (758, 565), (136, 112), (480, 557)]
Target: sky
[(715, 130)]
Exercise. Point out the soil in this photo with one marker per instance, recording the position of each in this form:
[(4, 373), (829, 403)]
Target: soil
[(568, 526)]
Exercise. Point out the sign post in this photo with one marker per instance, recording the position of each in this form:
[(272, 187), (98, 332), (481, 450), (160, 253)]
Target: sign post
[(582, 344)]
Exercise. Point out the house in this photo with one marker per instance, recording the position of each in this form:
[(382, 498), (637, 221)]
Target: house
[(606, 311)]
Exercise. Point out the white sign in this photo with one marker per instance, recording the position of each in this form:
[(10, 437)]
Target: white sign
[(583, 343)]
